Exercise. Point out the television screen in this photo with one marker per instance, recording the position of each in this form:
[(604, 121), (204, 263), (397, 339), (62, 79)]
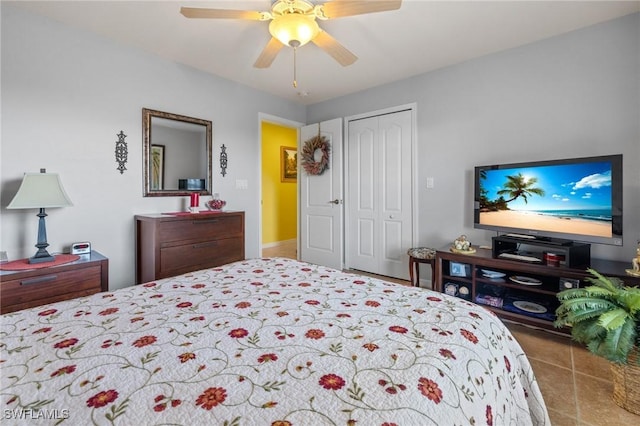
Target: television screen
[(579, 199)]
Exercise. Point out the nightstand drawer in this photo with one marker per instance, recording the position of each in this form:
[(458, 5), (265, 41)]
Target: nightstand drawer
[(51, 286)]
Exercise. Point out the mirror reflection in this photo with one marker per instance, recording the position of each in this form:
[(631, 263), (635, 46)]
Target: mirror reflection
[(177, 154)]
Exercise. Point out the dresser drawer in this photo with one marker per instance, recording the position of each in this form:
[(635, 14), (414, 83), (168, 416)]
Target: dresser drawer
[(206, 228), (49, 287), (190, 257)]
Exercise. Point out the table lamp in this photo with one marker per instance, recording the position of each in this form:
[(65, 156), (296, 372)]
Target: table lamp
[(39, 191)]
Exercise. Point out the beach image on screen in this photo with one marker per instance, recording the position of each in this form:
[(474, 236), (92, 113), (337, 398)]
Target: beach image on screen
[(569, 199)]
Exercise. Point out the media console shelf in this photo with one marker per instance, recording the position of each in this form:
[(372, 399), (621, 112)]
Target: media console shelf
[(571, 254), (517, 291)]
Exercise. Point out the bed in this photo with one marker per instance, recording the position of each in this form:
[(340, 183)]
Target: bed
[(266, 342)]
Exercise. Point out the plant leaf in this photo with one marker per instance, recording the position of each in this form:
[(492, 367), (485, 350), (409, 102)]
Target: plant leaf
[(614, 319)]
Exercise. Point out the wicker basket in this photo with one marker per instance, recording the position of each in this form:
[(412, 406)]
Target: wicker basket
[(626, 383)]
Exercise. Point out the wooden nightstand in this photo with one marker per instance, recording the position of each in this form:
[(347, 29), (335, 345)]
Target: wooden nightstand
[(36, 287)]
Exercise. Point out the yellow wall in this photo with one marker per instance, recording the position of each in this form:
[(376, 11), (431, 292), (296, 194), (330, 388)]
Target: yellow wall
[(279, 199)]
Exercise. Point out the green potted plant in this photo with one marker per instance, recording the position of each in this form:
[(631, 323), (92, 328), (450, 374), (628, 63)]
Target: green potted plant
[(605, 316)]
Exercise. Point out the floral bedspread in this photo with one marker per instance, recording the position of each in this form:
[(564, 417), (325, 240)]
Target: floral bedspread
[(265, 342)]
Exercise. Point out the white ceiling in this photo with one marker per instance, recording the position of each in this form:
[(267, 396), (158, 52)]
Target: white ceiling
[(421, 36)]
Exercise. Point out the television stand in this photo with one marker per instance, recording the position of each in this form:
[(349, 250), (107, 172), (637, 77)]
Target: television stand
[(569, 253), (523, 292)]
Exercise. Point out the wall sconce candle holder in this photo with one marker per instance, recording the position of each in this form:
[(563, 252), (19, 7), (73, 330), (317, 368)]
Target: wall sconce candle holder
[(223, 160), (121, 152)]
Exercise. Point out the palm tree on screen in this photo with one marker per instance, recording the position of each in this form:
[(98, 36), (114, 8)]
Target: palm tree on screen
[(520, 187)]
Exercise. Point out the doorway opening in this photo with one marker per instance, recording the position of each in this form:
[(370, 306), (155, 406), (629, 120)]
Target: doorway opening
[(279, 188)]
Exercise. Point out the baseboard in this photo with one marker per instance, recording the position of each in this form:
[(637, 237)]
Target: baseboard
[(278, 243)]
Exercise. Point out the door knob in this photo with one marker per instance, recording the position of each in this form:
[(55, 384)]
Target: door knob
[(336, 201)]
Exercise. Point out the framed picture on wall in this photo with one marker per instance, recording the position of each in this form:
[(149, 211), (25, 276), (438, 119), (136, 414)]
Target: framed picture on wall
[(288, 164), (157, 167)]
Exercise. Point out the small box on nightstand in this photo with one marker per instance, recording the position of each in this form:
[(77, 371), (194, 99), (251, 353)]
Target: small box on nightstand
[(81, 248)]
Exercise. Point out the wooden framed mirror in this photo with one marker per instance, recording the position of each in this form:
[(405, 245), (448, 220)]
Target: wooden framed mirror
[(177, 154)]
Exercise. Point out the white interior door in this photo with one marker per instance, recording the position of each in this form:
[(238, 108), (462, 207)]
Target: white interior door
[(321, 202), (379, 191)]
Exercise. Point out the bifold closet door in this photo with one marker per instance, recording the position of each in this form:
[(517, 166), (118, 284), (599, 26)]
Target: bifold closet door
[(379, 194)]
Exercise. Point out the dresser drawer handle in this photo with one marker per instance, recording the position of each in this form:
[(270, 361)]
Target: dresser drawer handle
[(207, 244), (196, 222), (39, 280)]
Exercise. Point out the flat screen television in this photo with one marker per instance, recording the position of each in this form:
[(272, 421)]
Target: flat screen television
[(575, 199)]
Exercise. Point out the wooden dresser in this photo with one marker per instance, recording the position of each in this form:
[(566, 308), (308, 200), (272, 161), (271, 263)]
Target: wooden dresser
[(174, 244), (36, 287)]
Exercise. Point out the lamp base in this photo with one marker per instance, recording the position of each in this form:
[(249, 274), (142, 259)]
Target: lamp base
[(40, 257)]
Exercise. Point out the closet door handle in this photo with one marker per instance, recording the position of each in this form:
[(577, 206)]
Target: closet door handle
[(336, 201)]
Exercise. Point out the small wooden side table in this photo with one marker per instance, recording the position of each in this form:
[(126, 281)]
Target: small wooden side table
[(417, 256), (29, 288)]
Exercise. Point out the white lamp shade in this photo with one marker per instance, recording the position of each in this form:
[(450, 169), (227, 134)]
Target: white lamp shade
[(294, 27), (40, 190)]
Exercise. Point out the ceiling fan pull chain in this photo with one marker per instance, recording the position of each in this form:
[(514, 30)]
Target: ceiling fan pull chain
[(295, 82)]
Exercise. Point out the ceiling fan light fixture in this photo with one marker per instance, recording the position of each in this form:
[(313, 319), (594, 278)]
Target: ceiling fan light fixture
[(294, 29), (293, 23)]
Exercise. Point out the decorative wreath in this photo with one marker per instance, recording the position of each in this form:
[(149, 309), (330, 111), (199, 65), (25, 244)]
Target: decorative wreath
[(311, 166)]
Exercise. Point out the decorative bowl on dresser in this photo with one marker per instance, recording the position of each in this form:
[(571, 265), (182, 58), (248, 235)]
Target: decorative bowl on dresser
[(177, 243), (35, 287)]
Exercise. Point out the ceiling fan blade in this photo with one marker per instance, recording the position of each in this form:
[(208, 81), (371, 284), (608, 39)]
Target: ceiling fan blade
[(337, 51), (269, 53), (340, 8), (195, 12)]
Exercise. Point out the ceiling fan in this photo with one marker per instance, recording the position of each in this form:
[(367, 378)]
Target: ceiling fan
[(293, 23)]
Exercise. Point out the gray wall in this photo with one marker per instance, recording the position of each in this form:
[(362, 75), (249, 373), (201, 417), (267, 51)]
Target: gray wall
[(66, 94), (575, 95)]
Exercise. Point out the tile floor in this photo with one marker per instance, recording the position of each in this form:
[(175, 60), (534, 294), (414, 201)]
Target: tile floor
[(576, 385)]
